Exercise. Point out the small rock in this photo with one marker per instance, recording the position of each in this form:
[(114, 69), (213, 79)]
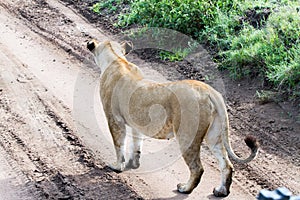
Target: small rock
[(64, 197), (40, 179), (271, 121)]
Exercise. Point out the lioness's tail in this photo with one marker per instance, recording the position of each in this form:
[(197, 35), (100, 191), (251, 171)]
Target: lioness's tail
[(250, 141)]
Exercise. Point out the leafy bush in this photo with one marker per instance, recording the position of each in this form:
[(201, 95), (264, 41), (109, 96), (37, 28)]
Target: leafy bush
[(272, 50), (256, 37), (186, 16)]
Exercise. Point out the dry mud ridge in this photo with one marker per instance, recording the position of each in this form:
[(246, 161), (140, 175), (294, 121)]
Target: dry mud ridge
[(50, 147)]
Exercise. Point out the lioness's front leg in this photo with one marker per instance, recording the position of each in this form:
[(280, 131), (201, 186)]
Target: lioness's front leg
[(118, 132), (135, 150)]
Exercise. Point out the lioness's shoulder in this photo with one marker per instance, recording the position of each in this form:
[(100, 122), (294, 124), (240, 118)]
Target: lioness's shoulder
[(135, 70)]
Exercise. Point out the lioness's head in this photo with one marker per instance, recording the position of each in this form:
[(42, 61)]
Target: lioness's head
[(106, 52), (124, 47)]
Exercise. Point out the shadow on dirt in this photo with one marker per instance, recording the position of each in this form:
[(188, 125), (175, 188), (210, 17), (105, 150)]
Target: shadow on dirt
[(98, 183)]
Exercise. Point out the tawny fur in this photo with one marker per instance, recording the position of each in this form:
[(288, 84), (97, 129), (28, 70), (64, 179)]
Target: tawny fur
[(190, 110)]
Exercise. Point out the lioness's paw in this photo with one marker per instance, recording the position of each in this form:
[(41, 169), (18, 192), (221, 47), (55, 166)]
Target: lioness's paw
[(117, 167), (221, 192), (183, 188), (133, 164)]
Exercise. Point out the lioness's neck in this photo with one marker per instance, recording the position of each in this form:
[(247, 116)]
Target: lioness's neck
[(107, 54), (110, 58)]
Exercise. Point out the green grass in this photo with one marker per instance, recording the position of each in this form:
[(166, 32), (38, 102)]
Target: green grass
[(273, 50), (266, 96), (111, 6), (175, 55), (249, 38)]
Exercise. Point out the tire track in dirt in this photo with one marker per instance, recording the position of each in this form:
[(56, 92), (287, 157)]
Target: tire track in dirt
[(43, 144), (14, 184), (49, 23), (39, 160)]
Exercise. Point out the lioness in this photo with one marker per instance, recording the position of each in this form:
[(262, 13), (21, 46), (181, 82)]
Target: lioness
[(191, 110)]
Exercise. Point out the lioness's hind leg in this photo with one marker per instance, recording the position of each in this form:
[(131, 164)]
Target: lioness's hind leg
[(214, 141), (191, 157), (226, 170), (135, 150)]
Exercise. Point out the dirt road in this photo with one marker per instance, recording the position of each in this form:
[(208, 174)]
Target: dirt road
[(38, 140), (54, 142)]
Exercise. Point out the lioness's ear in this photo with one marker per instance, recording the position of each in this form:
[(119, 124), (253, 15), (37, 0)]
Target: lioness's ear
[(127, 47), (91, 45)]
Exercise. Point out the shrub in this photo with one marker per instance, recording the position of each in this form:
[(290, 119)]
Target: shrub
[(249, 38), (272, 50), (186, 16)]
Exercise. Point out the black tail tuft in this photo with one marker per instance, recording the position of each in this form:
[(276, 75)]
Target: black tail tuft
[(251, 142)]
